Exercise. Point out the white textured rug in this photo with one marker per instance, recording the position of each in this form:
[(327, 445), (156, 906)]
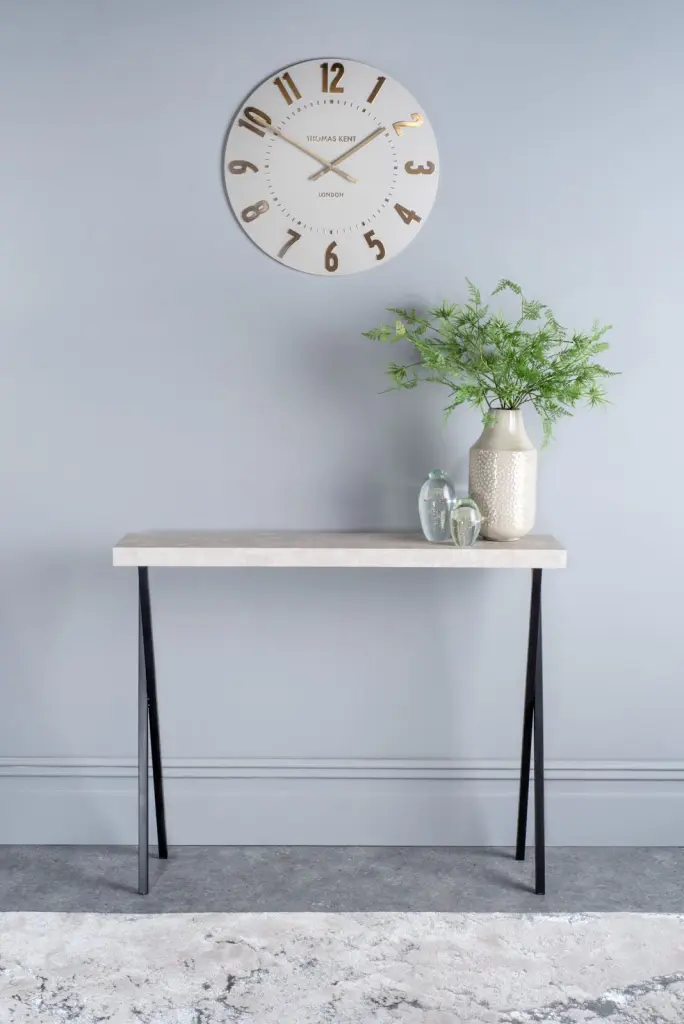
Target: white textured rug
[(342, 968)]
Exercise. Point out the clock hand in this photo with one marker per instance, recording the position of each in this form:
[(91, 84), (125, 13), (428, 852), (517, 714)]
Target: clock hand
[(347, 153), (326, 166)]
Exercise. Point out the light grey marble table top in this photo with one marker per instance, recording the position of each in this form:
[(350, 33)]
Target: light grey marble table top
[(353, 550)]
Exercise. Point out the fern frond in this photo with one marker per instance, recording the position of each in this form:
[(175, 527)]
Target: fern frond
[(485, 361)]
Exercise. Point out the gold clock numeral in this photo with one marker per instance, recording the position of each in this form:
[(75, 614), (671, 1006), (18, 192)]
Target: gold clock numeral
[(415, 122), (375, 243), (286, 83), (376, 88), (251, 213), (332, 86), (294, 237), (256, 120), (331, 260), (406, 215), (411, 168), (241, 166)]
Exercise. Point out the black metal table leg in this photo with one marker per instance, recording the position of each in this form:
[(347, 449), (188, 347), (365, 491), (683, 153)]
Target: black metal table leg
[(539, 830), (528, 716), (143, 782), (148, 718), (153, 710), (533, 722)]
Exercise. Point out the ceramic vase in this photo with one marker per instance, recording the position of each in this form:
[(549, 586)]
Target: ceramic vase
[(503, 477)]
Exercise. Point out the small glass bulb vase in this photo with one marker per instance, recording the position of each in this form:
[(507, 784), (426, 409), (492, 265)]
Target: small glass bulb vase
[(503, 476), (466, 521), (434, 505)]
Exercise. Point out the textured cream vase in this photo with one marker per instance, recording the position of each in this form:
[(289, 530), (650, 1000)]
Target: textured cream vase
[(503, 477)]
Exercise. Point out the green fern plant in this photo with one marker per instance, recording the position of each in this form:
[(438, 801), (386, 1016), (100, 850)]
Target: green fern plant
[(489, 363)]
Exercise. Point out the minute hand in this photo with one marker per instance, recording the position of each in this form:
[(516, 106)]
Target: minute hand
[(326, 166), (347, 153)]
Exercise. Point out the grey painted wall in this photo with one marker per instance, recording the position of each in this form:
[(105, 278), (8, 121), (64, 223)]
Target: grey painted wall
[(157, 369)]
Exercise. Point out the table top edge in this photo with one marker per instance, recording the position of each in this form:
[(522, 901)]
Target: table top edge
[(380, 549)]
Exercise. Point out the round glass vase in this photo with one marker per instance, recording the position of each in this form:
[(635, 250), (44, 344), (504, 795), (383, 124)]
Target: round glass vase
[(434, 506), (466, 521)]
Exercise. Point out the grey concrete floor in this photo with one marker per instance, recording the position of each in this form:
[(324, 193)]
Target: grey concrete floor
[(298, 878)]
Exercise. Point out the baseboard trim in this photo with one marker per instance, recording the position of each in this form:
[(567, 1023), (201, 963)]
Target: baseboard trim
[(346, 802), (339, 768)]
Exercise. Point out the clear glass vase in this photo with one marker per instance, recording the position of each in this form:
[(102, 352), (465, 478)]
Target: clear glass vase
[(466, 520), (434, 506)]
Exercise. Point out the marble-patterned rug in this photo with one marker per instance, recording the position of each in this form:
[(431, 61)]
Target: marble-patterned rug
[(341, 968)]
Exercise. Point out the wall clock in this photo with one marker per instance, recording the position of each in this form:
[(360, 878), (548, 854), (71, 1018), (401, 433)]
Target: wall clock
[(331, 167)]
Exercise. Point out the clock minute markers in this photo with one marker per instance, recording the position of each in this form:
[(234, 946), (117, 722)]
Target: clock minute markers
[(347, 153), (381, 129)]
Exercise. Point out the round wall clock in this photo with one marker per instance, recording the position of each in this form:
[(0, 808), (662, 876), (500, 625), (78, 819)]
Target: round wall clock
[(331, 167)]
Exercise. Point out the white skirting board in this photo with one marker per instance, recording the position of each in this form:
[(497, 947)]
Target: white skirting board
[(341, 802)]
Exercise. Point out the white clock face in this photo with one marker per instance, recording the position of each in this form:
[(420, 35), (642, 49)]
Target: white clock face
[(331, 167)]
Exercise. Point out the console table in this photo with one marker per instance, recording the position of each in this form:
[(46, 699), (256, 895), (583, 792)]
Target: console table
[(227, 549)]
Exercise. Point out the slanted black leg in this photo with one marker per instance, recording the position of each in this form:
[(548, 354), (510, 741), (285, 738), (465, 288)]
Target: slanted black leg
[(153, 708), (539, 837), (148, 717), (533, 721), (143, 782)]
